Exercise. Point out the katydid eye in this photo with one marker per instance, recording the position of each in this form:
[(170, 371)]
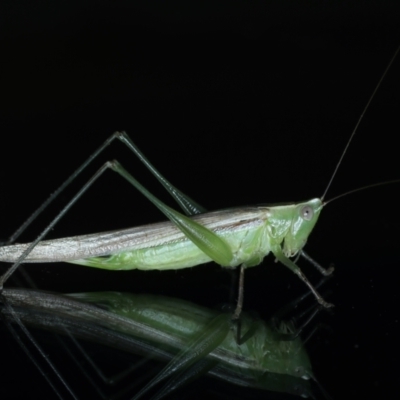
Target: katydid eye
[(307, 213)]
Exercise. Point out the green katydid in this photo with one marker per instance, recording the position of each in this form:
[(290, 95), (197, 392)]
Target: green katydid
[(229, 237), (240, 237)]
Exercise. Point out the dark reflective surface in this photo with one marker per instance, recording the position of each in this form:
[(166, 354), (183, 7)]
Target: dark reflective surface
[(271, 356)]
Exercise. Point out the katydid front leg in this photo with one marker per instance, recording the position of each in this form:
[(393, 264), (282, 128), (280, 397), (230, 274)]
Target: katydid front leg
[(294, 268)]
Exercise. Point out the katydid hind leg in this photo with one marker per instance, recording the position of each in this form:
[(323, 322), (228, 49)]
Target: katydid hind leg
[(61, 188), (55, 220), (206, 240), (209, 242), (188, 205)]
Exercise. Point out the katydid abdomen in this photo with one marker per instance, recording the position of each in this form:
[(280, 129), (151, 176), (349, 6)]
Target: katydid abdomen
[(159, 246)]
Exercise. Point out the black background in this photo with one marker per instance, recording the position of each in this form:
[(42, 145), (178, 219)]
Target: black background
[(237, 103)]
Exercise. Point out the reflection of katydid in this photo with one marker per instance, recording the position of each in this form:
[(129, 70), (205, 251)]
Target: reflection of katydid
[(196, 340), (242, 236)]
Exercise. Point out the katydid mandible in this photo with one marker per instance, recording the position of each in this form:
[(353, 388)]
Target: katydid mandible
[(237, 237)]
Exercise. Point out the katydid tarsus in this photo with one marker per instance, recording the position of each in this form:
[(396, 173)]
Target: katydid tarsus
[(232, 238)]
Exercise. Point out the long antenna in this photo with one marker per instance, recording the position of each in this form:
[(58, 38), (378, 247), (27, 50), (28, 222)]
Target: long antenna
[(359, 121), (373, 185)]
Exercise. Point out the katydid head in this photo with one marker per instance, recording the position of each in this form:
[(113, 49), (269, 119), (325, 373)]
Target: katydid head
[(303, 219), (290, 225)]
